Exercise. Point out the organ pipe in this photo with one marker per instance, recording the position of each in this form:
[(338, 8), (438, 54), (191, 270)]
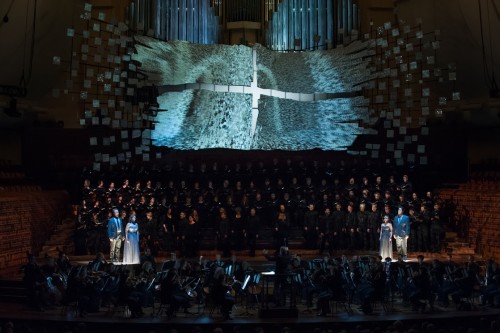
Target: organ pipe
[(288, 25)]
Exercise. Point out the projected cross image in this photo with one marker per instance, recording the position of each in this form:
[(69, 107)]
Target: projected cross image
[(208, 114)]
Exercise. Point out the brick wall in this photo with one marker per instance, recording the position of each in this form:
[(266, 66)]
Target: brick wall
[(26, 221)]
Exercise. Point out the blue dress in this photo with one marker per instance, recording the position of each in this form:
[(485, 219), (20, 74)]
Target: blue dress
[(131, 252), (385, 241)]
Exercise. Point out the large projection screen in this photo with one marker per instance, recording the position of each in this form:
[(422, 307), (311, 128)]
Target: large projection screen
[(237, 97)]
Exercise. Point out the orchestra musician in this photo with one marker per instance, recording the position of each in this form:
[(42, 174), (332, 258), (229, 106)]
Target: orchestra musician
[(314, 283), (421, 289), (54, 286), (221, 293), (490, 291), (34, 282), (173, 293)]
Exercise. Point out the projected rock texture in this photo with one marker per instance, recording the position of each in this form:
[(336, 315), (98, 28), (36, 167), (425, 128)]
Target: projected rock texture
[(178, 62), (333, 71), (223, 117), (202, 119), (308, 125)]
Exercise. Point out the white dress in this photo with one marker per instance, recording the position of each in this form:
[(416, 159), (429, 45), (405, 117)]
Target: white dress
[(131, 252)]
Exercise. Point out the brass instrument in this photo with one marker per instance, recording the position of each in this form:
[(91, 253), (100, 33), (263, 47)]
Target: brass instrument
[(191, 291)]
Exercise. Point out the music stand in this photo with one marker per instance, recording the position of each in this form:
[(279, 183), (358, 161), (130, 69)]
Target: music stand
[(267, 276), (243, 288)]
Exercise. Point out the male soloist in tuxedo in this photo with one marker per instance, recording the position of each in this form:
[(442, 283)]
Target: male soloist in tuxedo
[(115, 234), (401, 232)]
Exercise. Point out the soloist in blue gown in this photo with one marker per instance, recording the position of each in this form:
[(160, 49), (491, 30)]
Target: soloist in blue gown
[(131, 252), (385, 241)]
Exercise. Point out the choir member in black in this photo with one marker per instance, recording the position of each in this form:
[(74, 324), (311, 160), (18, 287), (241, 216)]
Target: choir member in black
[(137, 190), (221, 293), (272, 206), (325, 225), (281, 226), (362, 228), (325, 202), (224, 234), (152, 205), (192, 237), (391, 185), (339, 232), (388, 201), (415, 201), (377, 199), (237, 226), (281, 272), (423, 222), (260, 208), (351, 227), (149, 233), (413, 241), (125, 191), (87, 191), (35, 283), (406, 187), (83, 222), (373, 227), (201, 207), (311, 227), (182, 229), (251, 231), (172, 293), (435, 229), (167, 230), (379, 185)]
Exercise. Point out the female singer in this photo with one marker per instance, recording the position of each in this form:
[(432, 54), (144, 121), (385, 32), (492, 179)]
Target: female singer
[(386, 238), (131, 253)]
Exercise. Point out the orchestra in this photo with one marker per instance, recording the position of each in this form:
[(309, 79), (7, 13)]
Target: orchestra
[(181, 283)]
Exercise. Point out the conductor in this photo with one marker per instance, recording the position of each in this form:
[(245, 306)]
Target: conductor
[(282, 271)]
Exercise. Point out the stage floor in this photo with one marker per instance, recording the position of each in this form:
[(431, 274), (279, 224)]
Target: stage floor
[(246, 319)]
